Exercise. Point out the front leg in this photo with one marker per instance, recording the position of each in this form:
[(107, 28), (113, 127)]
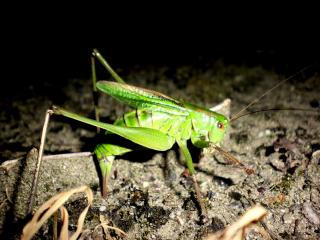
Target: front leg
[(183, 146)]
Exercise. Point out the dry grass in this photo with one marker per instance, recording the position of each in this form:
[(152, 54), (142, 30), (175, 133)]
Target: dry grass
[(238, 229), (56, 203), (50, 207)]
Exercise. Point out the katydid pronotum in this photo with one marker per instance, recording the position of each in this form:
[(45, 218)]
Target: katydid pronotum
[(158, 122)]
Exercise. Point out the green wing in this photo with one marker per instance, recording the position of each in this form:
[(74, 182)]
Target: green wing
[(142, 98)]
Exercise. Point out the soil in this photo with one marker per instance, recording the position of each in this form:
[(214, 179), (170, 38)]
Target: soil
[(150, 195)]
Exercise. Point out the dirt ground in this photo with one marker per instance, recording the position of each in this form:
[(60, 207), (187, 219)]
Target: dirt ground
[(150, 197)]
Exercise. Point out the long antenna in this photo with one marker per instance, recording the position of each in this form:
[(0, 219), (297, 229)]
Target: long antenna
[(271, 109), (267, 92), (232, 159)]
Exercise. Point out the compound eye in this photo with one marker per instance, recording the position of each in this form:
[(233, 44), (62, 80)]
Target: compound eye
[(220, 125)]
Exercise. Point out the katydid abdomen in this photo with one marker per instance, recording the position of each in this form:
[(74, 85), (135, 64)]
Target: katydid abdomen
[(173, 126)]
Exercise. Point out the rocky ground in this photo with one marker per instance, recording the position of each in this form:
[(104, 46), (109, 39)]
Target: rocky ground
[(150, 197)]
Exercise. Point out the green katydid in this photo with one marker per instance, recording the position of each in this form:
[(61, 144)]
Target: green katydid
[(157, 122)]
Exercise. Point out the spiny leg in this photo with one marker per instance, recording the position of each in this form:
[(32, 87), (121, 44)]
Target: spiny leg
[(39, 161), (96, 54), (106, 154), (105, 166), (95, 90), (189, 163)]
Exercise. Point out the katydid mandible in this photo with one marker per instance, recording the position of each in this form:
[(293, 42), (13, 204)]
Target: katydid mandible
[(158, 122)]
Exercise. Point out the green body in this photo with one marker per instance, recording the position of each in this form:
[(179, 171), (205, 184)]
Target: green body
[(157, 122), (178, 120)]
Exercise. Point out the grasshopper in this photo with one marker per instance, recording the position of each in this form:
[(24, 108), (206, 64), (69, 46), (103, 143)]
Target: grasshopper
[(157, 122)]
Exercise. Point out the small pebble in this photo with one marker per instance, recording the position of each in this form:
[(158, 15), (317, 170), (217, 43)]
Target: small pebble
[(180, 221), (288, 218), (268, 132), (102, 208)]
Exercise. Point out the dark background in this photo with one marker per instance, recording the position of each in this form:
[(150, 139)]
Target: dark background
[(50, 45)]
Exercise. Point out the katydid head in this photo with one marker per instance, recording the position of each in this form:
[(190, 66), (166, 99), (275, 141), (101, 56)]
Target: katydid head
[(217, 132), (208, 127)]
